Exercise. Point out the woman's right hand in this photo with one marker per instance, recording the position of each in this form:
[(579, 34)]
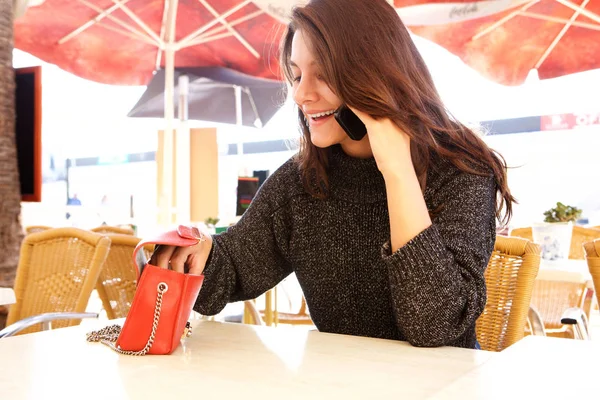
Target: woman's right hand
[(178, 258)]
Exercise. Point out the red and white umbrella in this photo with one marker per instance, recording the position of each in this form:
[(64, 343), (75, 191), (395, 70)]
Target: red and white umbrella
[(506, 39)]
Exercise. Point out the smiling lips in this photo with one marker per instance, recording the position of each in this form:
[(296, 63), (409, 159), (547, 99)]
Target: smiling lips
[(319, 118)]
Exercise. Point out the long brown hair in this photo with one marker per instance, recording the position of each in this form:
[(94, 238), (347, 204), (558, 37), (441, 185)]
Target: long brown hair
[(369, 60)]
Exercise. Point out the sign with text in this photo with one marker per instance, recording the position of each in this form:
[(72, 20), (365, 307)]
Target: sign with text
[(569, 121), (440, 13)]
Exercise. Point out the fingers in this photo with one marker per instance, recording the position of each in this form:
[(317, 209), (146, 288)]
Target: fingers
[(162, 256), (183, 259), (197, 260), (179, 258), (364, 117), (195, 265)]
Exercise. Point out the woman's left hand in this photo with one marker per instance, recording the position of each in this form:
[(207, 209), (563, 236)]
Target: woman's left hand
[(390, 145)]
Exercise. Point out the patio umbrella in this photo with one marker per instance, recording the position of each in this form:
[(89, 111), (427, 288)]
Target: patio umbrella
[(506, 39), (216, 94), (124, 41)]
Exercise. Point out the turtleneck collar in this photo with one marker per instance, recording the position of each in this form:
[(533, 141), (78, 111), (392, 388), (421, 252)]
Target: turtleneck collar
[(354, 179)]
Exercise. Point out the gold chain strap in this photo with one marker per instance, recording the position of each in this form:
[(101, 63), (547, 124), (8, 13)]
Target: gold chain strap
[(109, 334)]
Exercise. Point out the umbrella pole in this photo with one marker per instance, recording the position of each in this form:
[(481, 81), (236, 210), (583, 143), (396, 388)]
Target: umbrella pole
[(182, 152), (166, 186), (238, 122)]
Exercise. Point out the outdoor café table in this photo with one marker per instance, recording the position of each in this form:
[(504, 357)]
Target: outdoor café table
[(7, 296), (230, 361), (534, 368), (570, 271)]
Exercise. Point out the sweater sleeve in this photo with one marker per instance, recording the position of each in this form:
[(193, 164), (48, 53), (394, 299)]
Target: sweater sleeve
[(249, 258), (437, 279)]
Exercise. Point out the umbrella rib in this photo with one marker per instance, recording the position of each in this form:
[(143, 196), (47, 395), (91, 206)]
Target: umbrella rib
[(104, 14), (211, 35), (138, 21), (561, 20), (230, 29), (125, 33), (232, 23), (580, 9), (162, 34), (183, 42), (504, 20), (253, 104), (209, 39), (560, 35)]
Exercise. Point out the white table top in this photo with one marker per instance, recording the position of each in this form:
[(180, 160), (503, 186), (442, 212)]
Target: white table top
[(230, 361), (533, 368), (575, 271), (7, 296)]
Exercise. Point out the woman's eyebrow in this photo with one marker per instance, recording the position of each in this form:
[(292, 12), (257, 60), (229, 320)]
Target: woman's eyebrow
[(312, 64)]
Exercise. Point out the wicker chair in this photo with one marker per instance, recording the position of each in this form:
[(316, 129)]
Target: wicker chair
[(114, 230), (118, 278), (525, 233), (509, 277), (36, 228), (592, 256), (302, 317), (553, 297), (57, 271), (251, 314), (581, 235), (555, 292)]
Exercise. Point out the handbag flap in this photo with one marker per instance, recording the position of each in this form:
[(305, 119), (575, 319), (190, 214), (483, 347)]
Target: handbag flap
[(184, 236)]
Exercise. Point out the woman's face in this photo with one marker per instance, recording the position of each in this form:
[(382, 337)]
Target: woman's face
[(314, 97)]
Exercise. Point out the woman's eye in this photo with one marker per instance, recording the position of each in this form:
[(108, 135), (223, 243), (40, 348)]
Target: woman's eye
[(297, 79)]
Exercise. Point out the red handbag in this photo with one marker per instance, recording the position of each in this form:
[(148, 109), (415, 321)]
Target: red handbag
[(161, 305)]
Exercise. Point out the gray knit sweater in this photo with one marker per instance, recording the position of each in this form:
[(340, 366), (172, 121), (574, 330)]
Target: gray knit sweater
[(429, 292)]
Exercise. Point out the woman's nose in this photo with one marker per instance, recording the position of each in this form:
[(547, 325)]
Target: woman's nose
[(305, 92)]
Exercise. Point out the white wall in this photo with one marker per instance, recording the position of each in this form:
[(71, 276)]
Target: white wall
[(552, 166), (544, 167)]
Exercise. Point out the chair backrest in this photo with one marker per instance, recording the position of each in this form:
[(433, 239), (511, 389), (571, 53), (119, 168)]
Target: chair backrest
[(555, 291), (592, 256), (580, 236), (525, 233), (252, 313), (509, 278), (552, 297), (113, 230), (58, 269), (36, 228), (118, 278)]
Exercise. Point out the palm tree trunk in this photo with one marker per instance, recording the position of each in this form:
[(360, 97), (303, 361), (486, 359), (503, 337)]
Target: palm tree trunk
[(10, 197)]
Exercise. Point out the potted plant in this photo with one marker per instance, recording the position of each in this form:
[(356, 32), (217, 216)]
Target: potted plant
[(211, 223), (554, 235)]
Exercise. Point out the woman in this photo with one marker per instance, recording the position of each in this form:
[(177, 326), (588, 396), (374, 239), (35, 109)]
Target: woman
[(390, 235)]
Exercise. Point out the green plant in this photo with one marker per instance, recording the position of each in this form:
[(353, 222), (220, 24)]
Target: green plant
[(211, 221), (562, 213)]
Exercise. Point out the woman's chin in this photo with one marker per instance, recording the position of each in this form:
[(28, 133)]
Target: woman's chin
[(324, 140), (321, 143)]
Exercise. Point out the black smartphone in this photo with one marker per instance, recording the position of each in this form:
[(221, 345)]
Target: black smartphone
[(353, 126)]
